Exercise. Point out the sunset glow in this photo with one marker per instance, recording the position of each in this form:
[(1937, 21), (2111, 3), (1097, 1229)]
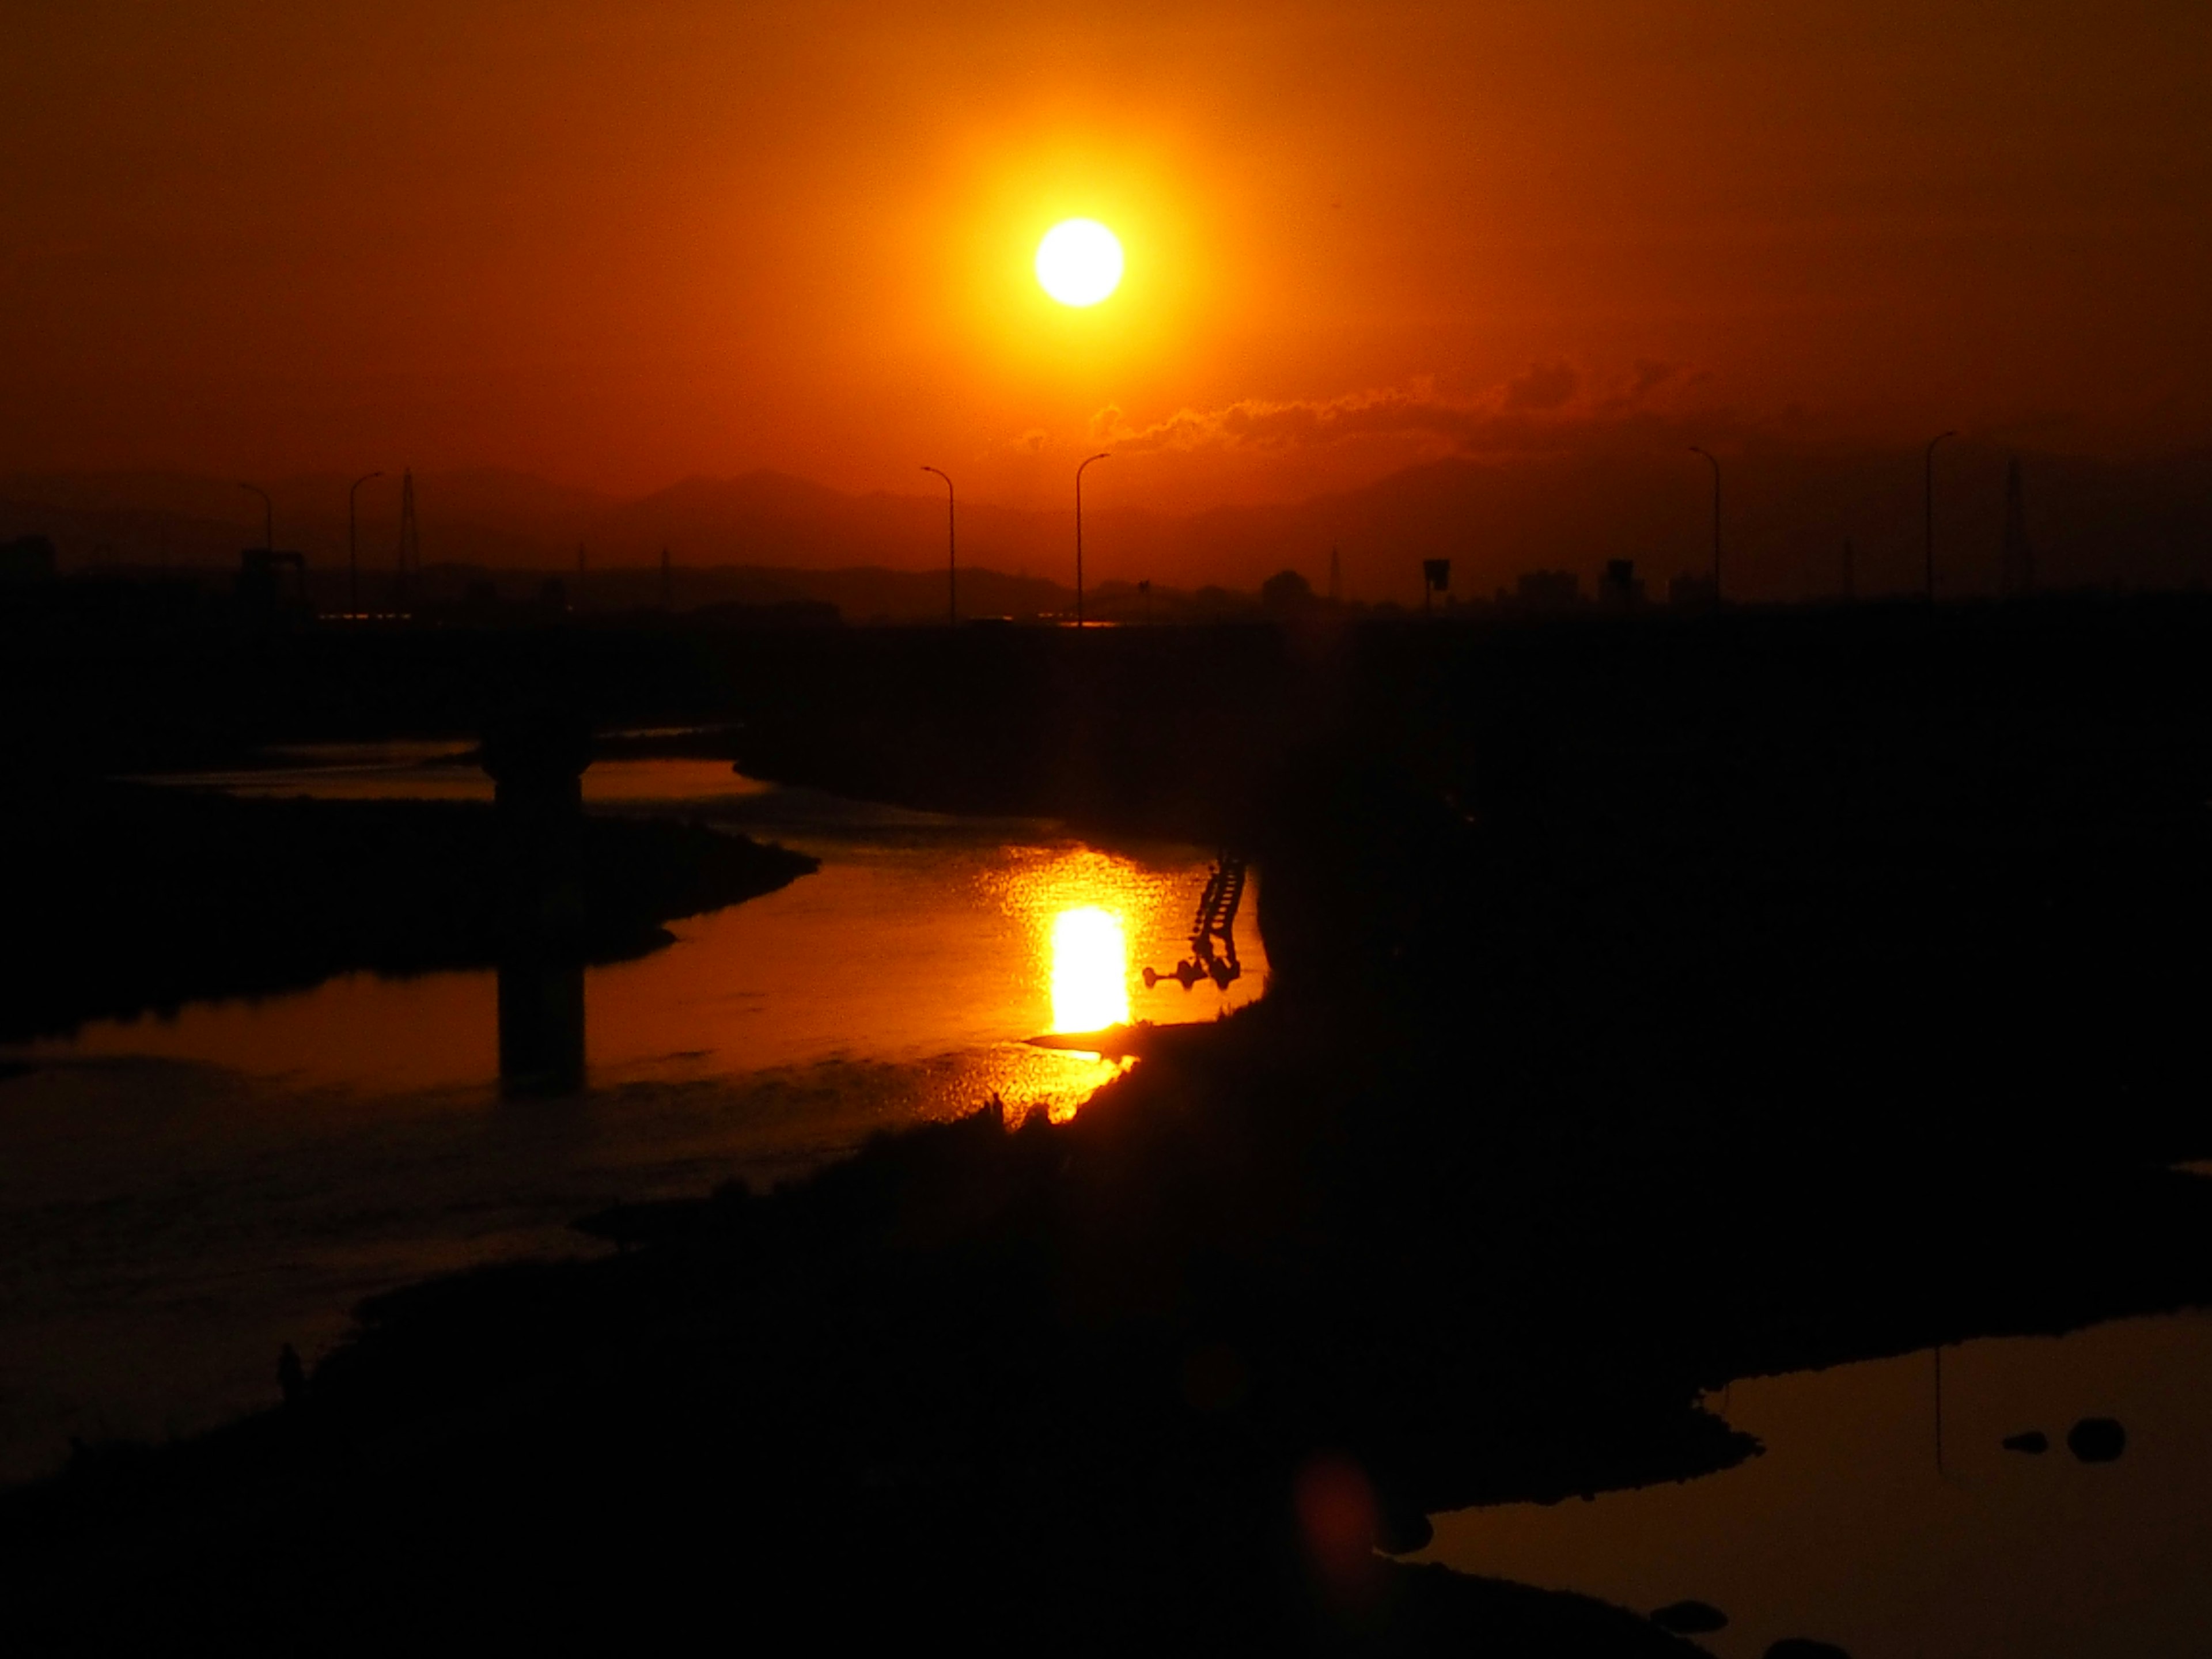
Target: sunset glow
[(1349, 246), (1108, 796)]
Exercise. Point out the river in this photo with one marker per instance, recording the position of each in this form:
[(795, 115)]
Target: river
[(180, 1195), (1847, 1530)]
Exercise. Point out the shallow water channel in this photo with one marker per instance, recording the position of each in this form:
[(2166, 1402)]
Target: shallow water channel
[(1846, 1530), (181, 1195)]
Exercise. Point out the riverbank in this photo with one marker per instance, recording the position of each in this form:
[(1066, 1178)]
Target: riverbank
[(1159, 1376), (131, 899), (1617, 1047)]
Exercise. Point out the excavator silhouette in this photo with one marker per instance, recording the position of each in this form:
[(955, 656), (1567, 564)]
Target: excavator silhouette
[(1212, 931)]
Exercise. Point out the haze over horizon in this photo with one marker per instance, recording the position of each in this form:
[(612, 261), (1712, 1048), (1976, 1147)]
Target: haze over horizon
[(1789, 512), (614, 252)]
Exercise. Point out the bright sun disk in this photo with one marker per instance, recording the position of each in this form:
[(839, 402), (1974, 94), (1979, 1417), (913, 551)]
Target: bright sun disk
[(1080, 262)]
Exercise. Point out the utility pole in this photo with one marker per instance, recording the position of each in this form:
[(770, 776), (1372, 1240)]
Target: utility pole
[(667, 583), (1101, 456), (353, 545), (1694, 450), (952, 549), (1929, 501), (2016, 563), (268, 516), (410, 539)]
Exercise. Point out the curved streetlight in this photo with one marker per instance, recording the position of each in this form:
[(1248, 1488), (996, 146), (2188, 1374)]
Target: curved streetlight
[(269, 516), (1101, 456), (353, 549), (1929, 477), (951, 591), (1694, 450)]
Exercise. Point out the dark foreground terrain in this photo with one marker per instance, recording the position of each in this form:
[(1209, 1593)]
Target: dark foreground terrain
[(1651, 1007), (136, 897)]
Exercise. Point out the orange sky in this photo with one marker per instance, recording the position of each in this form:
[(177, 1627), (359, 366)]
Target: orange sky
[(619, 244)]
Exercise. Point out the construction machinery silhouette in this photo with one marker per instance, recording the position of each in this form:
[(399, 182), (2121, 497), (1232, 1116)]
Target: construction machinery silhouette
[(1212, 931)]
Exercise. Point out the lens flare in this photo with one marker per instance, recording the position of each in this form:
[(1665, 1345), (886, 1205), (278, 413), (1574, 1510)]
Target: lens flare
[(1080, 262), (1089, 970)]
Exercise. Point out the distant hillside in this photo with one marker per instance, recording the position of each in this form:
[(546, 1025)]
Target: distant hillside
[(1786, 516)]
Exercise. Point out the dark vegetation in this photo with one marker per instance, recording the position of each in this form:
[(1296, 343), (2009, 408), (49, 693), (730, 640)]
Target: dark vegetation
[(1653, 1005), (130, 898)]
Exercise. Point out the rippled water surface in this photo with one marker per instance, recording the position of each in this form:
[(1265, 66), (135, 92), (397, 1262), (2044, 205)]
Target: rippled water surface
[(180, 1195)]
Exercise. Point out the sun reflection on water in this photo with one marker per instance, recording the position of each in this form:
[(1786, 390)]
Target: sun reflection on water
[(1089, 970)]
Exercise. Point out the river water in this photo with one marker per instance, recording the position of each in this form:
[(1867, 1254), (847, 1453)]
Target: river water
[(178, 1196), (182, 1195), (1846, 1530)]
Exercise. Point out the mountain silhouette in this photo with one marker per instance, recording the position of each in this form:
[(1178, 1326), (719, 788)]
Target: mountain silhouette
[(1787, 513)]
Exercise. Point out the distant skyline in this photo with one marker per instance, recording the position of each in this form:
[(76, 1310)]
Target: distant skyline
[(617, 247), (1788, 510)]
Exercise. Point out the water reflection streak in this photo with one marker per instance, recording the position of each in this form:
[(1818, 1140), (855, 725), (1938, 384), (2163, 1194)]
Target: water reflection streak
[(1089, 970), (356, 1133)]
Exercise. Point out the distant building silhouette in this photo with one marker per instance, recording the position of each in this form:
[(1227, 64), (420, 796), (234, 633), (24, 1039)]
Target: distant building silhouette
[(1435, 578), (1693, 593), (1547, 590), (261, 581), (2016, 562), (1618, 588), (1286, 593)]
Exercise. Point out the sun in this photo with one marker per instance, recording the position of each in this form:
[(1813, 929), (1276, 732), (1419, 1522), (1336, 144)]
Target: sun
[(1080, 262)]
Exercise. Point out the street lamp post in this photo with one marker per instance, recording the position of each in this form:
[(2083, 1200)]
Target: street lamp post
[(1694, 450), (1929, 506), (1101, 456), (353, 549), (951, 551), (268, 518)]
